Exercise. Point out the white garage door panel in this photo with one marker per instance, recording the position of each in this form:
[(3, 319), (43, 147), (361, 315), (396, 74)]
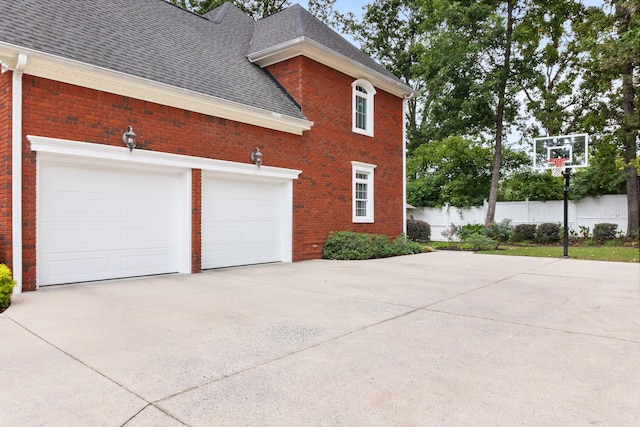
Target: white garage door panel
[(242, 222), (99, 223), (87, 266)]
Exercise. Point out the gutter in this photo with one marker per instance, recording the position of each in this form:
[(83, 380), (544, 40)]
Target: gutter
[(16, 169)]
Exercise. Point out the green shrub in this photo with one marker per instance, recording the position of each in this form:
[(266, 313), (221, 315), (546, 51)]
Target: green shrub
[(524, 232), (548, 233), (461, 232), (348, 245), (469, 230), (499, 231), (403, 246), (418, 231), (604, 231), (585, 233), (440, 245), (478, 242), (6, 287)]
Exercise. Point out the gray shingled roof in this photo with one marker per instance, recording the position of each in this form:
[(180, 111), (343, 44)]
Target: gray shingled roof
[(295, 22), (155, 40), (151, 39)]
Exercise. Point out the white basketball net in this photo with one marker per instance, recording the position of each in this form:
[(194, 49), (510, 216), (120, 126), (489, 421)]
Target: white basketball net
[(557, 166)]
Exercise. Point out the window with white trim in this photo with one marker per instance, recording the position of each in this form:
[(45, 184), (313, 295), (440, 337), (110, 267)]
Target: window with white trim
[(362, 95), (362, 179)]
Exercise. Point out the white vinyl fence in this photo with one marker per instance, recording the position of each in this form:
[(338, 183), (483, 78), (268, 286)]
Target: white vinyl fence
[(586, 213)]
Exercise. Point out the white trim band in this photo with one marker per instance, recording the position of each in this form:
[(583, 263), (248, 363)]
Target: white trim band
[(108, 152)]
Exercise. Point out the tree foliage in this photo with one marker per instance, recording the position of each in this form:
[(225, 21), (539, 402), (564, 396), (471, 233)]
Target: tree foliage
[(533, 185), (553, 58), (453, 171), (257, 9)]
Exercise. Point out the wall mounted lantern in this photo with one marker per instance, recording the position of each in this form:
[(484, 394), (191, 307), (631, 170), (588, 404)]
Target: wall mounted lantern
[(129, 138), (256, 157)]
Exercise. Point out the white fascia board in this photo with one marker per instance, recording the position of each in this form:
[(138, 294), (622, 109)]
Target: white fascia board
[(64, 148), (93, 77), (316, 51)]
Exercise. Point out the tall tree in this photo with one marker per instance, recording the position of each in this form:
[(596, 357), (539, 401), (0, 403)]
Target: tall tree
[(504, 74), (473, 73), (611, 107), (627, 23)]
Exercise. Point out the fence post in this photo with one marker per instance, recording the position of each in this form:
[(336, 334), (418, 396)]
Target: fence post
[(485, 208)]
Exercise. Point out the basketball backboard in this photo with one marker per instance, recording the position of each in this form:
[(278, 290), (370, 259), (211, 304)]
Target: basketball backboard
[(552, 152)]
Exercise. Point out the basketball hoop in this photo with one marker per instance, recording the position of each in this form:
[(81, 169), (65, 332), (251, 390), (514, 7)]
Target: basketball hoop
[(556, 165)]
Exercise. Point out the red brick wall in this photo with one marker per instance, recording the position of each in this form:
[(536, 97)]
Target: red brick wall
[(322, 194), (5, 169), (60, 110), (196, 220)]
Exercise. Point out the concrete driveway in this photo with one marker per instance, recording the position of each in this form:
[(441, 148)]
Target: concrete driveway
[(445, 338)]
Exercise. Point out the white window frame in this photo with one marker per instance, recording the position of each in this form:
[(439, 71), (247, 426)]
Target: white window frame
[(368, 98), (365, 169)]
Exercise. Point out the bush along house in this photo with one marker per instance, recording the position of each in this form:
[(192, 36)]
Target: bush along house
[(137, 138)]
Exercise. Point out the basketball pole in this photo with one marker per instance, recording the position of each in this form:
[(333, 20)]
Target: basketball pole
[(567, 176)]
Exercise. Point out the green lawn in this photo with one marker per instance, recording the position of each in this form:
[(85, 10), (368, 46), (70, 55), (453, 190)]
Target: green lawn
[(593, 253)]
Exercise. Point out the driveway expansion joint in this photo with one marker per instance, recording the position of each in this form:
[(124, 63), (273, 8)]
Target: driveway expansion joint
[(530, 325)]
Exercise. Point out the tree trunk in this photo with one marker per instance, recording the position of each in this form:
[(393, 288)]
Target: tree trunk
[(630, 147), (633, 202), (502, 90)]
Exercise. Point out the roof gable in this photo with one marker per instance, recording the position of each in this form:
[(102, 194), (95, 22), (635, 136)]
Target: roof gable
[(295, 31)]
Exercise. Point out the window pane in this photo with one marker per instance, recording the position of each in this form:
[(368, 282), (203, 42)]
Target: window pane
[(361, 113), (361, 191), (361, 196)]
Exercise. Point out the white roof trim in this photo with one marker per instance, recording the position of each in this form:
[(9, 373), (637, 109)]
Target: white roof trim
[(322, 54), (65, 148), (77, 73)]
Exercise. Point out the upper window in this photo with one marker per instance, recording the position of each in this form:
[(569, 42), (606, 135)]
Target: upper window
[(362, 94), (362, 178)]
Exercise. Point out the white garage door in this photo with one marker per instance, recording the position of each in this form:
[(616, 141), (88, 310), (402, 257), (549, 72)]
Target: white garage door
[(97, 222), (244, 222)]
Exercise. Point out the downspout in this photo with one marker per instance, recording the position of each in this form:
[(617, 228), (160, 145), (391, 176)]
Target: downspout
[(405, 101), (16, 168)]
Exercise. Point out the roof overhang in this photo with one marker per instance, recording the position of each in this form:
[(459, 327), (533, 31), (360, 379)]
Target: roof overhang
[(314, 50), (73, 72)]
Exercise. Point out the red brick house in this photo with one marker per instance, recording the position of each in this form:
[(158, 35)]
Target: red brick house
[(202, 94)]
